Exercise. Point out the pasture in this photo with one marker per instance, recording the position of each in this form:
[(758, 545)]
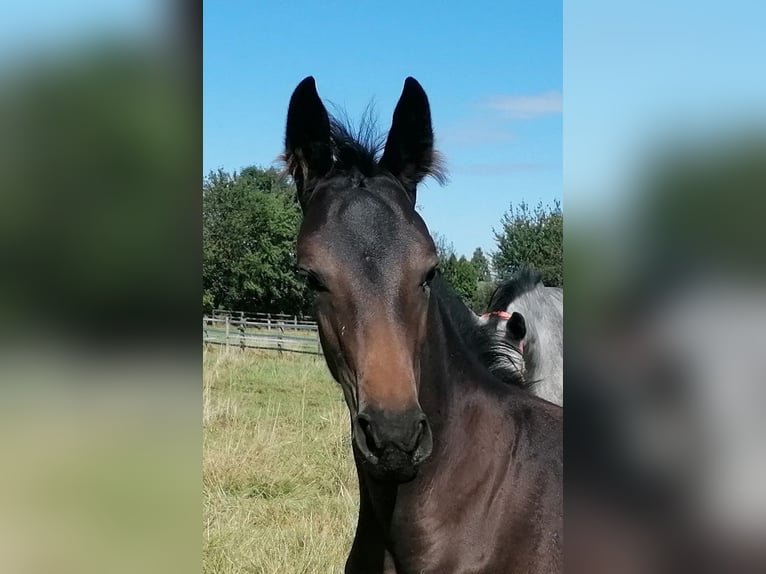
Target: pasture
[(279, 484)]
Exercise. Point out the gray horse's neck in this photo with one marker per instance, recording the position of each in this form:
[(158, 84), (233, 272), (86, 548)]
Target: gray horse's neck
[(542, 308)]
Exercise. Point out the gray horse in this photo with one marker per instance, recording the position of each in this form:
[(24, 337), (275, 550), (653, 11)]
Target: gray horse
[(524, 333)]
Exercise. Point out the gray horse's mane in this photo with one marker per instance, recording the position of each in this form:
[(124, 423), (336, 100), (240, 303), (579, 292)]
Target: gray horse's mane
[(523, 281)]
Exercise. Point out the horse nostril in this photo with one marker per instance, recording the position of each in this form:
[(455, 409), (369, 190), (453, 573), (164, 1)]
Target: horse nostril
[(423, 442), (379, 432), (421, 430), (366, 427)]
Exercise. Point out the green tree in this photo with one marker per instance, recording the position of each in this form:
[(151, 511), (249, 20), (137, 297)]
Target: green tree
[(481, 264), (207, 302), (448, 267), (464, 279), (533, 238), (460, 273), (444, 247), (480, 299), (250, 223)]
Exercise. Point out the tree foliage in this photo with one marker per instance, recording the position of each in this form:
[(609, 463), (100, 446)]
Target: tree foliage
[(481, 264), (461, 274), (458, 271), (531, 237), (444, 247), (480, 301), (250, 223)]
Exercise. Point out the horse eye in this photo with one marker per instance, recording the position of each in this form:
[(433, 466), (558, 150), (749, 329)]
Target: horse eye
[(313, 281), (428, 277)]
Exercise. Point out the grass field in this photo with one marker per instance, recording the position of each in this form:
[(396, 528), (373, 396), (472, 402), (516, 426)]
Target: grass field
[(280, 489)]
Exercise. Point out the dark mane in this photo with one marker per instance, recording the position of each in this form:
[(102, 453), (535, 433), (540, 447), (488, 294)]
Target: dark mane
[(480, 343), (523, 281), (356, 147), (453, 306), (359, 147)]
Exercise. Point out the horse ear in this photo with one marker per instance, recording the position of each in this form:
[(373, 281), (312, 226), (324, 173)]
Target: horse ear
[(409, 153), (308, 151), (516, 327)]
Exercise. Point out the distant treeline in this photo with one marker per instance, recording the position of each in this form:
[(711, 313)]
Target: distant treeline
[(250, 224)]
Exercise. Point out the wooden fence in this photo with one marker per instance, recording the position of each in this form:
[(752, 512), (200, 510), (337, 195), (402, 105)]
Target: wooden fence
[(263, 317), (276, 332)]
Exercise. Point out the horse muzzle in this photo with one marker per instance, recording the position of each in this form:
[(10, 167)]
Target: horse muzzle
[(392, 443)]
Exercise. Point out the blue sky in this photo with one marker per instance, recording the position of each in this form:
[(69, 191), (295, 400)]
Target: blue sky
[(640, 74), (633, 70), (49, 28), (493, 73)]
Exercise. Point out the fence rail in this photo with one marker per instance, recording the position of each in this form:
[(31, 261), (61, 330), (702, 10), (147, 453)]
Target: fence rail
[(281, 333), (263, 317)]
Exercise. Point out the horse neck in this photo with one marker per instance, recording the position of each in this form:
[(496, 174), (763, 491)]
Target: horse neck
[(456, 319), (445, 352)]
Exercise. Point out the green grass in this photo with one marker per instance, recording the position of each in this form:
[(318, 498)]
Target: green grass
[(280, 489)]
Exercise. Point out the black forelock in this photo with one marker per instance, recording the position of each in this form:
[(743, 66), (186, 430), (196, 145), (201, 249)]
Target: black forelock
[(359, 146), (523, 281), (356, 147)]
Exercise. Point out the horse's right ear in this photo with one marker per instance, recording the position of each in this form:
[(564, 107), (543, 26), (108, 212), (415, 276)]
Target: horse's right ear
[(308, 151)]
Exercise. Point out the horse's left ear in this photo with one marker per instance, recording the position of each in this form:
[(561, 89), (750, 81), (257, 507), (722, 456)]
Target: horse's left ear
[(516, 327), (409, 153)]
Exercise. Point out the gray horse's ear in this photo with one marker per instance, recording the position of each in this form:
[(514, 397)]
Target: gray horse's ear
[(308, 149), (516, 327)]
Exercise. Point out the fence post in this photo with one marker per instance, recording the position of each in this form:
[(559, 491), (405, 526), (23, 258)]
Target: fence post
[(242, 336), (268, 321), (279, 339), (227, 331)]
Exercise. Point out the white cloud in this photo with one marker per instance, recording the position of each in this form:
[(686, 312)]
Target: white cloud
[(525, 107)]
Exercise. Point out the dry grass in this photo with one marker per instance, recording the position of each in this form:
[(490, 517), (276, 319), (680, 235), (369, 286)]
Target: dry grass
[(280, 490)]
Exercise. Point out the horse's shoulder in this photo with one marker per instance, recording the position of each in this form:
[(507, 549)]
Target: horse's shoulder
[(541, 421)]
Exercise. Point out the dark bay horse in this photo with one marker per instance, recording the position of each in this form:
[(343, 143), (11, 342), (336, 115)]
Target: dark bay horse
[(458, 472)]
